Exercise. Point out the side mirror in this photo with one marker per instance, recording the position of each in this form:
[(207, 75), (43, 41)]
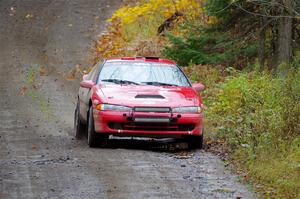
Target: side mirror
[(84, 76), (87, 83), (198, 87)]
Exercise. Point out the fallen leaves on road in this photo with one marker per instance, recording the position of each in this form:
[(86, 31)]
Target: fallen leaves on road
[(12, 11), (43, 71), (23, 90), (224, 190), (33, 147), (183, 155), (29, 16), (74, 72)]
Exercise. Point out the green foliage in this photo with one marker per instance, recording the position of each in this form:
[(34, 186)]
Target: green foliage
[(219, 8), (258, 115), (32, 74), (296, 61), (208, 45), (206, 74)]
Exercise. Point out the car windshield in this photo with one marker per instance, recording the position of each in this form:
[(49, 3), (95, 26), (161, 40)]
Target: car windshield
[(142, 73)]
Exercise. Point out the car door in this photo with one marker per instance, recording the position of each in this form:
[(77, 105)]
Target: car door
[(85, 93)]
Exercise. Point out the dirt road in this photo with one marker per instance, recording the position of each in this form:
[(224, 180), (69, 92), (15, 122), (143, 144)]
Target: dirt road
[(40, 41)]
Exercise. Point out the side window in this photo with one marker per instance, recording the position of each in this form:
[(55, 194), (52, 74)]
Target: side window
[(96, 74), (91, 75)]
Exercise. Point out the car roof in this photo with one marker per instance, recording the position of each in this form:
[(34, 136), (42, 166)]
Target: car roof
[(143, 59)]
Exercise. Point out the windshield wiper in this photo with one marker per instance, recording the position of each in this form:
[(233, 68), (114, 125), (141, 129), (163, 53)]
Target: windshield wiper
[(119, 81), (159, 84)]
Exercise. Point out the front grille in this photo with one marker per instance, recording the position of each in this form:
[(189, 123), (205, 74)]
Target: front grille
[(150, 126), (153, 109), (152, 120)]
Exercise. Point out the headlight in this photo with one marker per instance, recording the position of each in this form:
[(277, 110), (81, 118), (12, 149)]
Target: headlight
[(191, 109), (110, 107)]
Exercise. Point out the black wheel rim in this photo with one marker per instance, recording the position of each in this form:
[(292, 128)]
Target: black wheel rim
[(89, 130), (76, 122)]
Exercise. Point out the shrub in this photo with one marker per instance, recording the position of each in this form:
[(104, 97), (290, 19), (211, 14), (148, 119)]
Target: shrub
[(258, 115)]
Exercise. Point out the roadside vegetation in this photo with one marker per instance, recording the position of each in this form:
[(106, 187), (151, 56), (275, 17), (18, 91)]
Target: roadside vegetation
[(247, 53), (31, 88)]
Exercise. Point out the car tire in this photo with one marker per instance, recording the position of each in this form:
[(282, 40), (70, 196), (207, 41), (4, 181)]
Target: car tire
[(92, 136), (195, 141), (79, 127)]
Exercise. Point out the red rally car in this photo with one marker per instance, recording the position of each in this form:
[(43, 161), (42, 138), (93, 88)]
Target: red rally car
[(139, 97)]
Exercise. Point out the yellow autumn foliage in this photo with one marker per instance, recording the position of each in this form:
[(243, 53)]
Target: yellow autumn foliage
[(135, 25), (152, 9)]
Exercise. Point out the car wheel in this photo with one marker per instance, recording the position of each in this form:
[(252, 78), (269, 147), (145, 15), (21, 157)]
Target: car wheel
[(195, 141), (92, 136), (79, 127)]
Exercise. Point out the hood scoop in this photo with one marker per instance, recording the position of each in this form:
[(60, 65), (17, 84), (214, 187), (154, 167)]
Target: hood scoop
[(149, 97)]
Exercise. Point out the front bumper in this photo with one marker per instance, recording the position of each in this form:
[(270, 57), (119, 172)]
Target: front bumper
[(147, 124)]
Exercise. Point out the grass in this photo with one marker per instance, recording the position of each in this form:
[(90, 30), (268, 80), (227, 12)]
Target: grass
[(277, 175), (258, 116), (33, 92)]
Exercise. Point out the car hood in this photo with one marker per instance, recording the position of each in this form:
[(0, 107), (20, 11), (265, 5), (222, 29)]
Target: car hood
[(144, 95)]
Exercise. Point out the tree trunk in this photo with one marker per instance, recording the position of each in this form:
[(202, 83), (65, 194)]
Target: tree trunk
[(285, 40), (285, 36), (262, 43)]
